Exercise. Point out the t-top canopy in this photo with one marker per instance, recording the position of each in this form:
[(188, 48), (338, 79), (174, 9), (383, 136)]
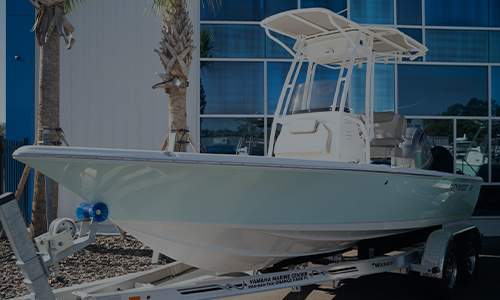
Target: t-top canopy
[(315, 22)]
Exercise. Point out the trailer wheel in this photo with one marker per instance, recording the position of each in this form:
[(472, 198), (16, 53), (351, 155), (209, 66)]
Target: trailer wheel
[(446, 287), (469, 258)]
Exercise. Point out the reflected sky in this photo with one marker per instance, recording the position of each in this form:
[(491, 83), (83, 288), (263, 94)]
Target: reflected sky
[(431, 90), (234, 88)]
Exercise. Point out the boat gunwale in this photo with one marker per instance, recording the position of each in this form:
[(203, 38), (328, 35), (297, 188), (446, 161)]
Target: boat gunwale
[(169, 159)]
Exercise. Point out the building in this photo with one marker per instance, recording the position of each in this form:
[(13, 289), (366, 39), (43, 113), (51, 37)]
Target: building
[(106, 98)]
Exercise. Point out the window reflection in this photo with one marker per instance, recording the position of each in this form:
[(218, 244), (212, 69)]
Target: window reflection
[(372, 11), (494, 49), (238, 136), (409, 12), (494, 12), (495, 150), (244, 10), (472, 148), (416, 34), (233, 88), (495, 91), (383, 92), (274, 50), (333, 5), (273, 7), (457, 45), (456, 12), (442, 90), (237, 41)]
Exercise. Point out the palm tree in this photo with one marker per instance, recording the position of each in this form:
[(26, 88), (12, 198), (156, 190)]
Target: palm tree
[(176, 54), (50, 25)]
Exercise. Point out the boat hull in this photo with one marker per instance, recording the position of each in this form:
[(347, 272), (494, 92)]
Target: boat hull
[(228, 213)]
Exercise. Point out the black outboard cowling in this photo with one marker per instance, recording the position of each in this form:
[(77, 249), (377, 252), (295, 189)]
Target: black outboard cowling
[(442, 160)]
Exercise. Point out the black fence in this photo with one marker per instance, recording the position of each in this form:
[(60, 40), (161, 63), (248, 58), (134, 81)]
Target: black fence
[(11, 171)]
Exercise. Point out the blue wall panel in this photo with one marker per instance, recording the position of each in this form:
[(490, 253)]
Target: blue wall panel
[(20, 76)]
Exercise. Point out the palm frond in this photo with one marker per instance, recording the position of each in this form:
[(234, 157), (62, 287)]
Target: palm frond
[(212, 4), (71, 5), (206, 49), (160, 7)]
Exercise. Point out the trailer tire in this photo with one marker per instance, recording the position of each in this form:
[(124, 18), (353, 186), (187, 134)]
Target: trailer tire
[(446, 287), (469, 258)]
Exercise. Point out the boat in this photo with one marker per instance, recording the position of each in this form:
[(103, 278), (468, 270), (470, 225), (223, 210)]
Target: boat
[(331, 178), (472, 155)]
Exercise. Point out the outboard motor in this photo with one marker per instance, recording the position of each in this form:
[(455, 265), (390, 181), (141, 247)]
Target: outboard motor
[(442, 160), (416, 150)]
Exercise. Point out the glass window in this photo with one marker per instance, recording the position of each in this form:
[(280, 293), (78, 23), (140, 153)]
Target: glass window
[(488, 203), (456, 12), (372, 11), (244, 10), (232, 11), (495, 46), (457, 45), (233, 88), (274, 50), (494, 20), (442, 90), (495, 91), (276, 76), (495, 124), (273, 7), (409, 12), (440, 138), (383, 93), (333, 5), (239, 136), (495, 150), (416, 34), (237, 41), (472, 148)]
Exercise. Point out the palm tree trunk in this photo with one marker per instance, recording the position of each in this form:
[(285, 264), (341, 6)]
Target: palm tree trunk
[(177, 115), (176, 49), (48, 115)]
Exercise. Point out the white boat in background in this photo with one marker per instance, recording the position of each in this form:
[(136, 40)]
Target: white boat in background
[(317, 192)]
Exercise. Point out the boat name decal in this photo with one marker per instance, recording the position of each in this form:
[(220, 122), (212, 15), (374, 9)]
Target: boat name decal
[(382, 264), (461, 187)]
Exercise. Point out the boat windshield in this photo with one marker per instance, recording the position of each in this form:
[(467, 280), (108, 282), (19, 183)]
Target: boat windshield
[(322, 95)]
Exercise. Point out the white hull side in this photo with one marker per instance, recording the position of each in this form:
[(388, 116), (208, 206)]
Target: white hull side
[(232, 247), (241, 213)]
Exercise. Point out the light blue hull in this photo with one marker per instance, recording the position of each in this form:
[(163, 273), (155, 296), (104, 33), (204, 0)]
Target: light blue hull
[(246, 213)]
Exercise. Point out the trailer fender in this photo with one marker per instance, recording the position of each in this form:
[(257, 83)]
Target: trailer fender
[(437, 243)]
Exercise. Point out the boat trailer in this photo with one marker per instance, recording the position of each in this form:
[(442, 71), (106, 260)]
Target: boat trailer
[(448, 255)]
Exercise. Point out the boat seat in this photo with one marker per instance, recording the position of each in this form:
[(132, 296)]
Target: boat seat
[(388, 132)]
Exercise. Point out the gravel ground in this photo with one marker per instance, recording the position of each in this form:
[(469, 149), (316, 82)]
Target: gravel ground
[(108, 256)]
